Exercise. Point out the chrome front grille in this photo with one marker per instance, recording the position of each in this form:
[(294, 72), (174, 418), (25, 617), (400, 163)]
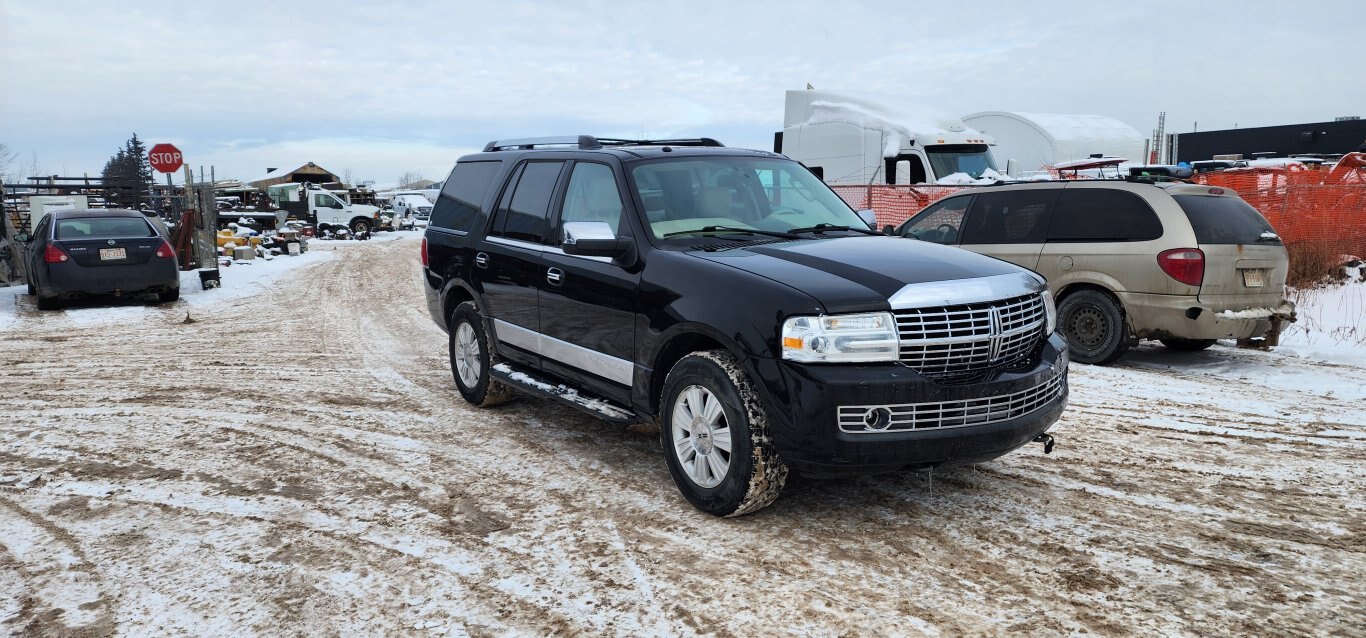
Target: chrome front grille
[(874, 419), (952, 342)]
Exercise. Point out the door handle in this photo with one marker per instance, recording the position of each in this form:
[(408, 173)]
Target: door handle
[(554, 276), (481, 260)]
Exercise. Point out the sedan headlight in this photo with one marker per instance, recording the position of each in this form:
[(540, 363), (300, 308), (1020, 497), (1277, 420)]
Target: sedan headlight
[(1050, 311), (859, 338)]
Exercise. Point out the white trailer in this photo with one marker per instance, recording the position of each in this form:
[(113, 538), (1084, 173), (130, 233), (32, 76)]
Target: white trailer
[(862, 138), (1037, 141)]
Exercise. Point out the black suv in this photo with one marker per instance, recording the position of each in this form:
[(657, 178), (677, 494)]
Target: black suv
[(734, 298)]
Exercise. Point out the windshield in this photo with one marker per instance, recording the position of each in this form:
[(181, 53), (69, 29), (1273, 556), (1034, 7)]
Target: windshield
[(947, 159), (689, 194)]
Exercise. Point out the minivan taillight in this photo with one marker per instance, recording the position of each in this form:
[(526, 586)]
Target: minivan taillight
[(55, 255), (424, 252), (165, 251), (1186, 265)]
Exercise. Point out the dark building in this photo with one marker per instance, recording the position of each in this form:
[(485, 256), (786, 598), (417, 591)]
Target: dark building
[(1292, 139)]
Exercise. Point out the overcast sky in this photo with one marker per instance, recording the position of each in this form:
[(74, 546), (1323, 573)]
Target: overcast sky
[(386, 88)]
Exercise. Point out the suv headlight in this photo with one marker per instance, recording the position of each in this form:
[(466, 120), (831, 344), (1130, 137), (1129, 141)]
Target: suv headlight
[(860, 338), (1050, 311)]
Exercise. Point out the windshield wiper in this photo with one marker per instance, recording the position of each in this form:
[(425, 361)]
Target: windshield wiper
[(729, 229), (820, 228)]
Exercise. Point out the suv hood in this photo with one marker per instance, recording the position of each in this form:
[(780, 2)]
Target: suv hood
[(854, 274)]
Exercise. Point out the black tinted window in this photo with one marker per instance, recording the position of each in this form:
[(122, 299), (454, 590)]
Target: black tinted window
[(1224, 220), (95, 227), (458, 206), (1009, 217), (1103, 214), (523, 215)]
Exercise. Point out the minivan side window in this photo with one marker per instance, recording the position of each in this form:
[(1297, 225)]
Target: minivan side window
[(939, 223), (1103, 214), (523, 209), (458, 206), (1010, 217)]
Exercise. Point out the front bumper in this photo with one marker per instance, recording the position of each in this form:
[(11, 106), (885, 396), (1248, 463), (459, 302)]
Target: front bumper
[(931, 425), (1184, 317)]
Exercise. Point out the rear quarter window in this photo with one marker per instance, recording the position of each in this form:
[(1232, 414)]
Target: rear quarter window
[(464, 193), (1224, 220), (1102, 214)]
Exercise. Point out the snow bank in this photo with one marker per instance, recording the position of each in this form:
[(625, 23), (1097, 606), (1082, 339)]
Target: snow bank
[(1331, 325), (963, 179)]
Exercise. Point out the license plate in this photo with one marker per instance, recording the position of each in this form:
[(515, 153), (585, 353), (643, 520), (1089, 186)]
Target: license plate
[(1254, 278), (107, 254)]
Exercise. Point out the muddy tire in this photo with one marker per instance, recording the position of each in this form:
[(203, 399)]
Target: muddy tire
[(1188, 345), (1094, 326), (471, 358), (360, 226), (714, 433)]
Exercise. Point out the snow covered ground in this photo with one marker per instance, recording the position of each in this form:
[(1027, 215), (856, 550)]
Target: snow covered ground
[(297, 462)]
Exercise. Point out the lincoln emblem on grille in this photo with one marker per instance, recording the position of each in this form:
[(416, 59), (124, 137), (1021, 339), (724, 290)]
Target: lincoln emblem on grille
[(996, 335)]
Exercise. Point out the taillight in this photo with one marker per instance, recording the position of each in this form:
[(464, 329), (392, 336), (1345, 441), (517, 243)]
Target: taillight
[(1186, 265), (165, 251), (424, 252), (55, 255)]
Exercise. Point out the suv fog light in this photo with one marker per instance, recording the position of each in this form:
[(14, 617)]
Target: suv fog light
[(877, 419)]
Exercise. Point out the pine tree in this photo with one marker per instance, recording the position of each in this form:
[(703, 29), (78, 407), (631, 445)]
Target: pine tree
[(127, 174)]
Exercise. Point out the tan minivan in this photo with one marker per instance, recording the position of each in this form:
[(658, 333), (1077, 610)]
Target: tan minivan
[(1181, 263)]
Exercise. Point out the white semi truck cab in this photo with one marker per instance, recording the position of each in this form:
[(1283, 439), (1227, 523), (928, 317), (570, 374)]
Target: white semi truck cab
[(326, 209), (861, 138)]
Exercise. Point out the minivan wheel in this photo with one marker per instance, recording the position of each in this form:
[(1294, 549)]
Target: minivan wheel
[(1094, 326), (714, 431), (1188, 345), (471, 358)]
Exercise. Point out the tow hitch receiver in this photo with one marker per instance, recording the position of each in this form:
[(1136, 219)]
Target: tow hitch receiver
[(1047, 441)]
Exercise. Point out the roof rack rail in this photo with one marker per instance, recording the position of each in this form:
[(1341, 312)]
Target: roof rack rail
[(587, 142)]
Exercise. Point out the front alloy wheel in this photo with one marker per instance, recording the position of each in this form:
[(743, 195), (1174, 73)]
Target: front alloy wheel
[(701, 436)]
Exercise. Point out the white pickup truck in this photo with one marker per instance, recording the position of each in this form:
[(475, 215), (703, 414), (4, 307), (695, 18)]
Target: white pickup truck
[(326, 209), (414, 208)]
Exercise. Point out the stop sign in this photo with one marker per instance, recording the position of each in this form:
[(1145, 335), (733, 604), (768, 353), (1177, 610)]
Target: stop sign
[(165, 158)]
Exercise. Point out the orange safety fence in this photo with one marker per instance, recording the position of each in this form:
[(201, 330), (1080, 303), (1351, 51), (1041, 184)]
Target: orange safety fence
[(895, 203)]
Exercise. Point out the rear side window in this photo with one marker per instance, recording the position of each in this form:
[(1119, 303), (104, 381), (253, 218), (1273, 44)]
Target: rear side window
[(99, 228), (1224, 220), (458, 206), (522, 211), (1103, 214), (1010, 217)]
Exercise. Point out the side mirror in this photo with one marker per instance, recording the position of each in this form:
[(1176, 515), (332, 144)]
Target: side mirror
[(869, 217), (23, 237), (594, 239), (889, 230)]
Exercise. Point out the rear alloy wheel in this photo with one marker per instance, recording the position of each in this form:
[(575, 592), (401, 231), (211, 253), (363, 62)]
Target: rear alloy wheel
[(1094, 326), (471, 358), (714, 432), (1188, 345)]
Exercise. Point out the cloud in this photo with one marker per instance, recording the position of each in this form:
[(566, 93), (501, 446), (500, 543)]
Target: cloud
[(354, 83)]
